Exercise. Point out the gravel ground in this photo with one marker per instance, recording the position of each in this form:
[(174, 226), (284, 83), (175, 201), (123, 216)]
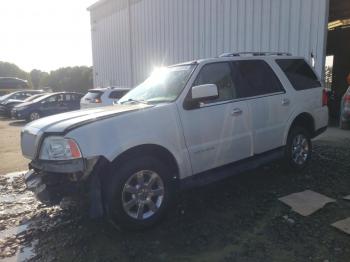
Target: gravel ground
[(10, 151), (238, 219)]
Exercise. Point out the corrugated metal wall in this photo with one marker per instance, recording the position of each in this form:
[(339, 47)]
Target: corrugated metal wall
[(131, 37)]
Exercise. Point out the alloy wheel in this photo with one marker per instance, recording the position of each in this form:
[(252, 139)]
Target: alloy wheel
[(34, 116), (143, 194), (300, 149)]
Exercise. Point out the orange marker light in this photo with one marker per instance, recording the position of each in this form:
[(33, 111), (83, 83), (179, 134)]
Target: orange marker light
[(74, 149)]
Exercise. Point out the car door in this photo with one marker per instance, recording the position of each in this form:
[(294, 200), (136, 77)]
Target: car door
[(267, 100), (49, 105), (62, 103), (75, 101), (217, 132)]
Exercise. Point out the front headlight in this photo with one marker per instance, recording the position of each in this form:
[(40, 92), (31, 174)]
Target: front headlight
[(59, 148)]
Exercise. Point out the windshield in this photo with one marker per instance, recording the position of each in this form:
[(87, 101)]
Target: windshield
[(164, 85), (42, 97), (31, 98), (5, 97)]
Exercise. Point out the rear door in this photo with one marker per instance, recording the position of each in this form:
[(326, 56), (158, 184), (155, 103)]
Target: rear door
[(71, 100), (217, 132), (267, 100)]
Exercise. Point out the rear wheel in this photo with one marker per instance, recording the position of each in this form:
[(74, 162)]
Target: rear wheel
[(140, 193), (298, 149)]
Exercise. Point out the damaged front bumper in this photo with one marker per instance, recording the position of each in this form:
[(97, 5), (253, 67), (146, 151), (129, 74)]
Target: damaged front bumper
[(53, 180)]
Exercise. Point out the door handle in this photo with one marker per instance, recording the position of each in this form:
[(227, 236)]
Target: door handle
[(285, 101), (236, 112)]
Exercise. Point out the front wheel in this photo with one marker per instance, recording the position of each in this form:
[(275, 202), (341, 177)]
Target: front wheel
[(33, 116), (298, 149), (140, 193)]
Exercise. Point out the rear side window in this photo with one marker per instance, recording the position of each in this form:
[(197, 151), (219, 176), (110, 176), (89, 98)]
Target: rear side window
[(117, 94), (299, 73), (255, 78), (92, 95)]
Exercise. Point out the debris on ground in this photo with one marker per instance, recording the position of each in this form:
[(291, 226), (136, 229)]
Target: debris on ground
[(343, 225), (307, 202), (347, 197)]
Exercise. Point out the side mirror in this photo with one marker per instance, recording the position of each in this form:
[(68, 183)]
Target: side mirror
[(201, 93), (206, 92)]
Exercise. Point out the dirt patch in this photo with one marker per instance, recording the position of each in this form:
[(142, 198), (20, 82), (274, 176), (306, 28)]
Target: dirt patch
[(10, 150), (238, 219)]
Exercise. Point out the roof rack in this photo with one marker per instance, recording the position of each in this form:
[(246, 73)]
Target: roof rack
[(255, 54)]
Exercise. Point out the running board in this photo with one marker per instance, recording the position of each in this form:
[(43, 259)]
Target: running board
[(236, 168)]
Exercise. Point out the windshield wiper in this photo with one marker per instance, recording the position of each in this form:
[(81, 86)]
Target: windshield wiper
[(135, 100)]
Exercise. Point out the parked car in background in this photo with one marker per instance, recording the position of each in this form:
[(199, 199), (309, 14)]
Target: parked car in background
[(47, 105), (6, 107), (102, 96), (186, 125), (11, 84), (345, 110), (19, 95)]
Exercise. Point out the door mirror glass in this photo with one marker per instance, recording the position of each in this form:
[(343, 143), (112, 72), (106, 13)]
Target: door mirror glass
[(205, 92)]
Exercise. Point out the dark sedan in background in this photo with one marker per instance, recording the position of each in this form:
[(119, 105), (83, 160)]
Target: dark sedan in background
[(19, 95), (47, 105), (6, 107)]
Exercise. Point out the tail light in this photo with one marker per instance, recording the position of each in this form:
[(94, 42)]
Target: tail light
[(324, 98), (97, 100)]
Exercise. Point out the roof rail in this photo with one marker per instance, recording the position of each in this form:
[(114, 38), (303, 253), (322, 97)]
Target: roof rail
[(255, 54)]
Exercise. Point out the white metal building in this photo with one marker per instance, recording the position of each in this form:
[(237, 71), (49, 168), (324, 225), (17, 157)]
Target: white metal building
[(131, 37)]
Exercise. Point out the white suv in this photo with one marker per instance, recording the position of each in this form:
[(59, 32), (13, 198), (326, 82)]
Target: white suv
[(102, 97), (186, 125)]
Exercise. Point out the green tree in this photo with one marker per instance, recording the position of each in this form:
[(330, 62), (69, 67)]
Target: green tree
[(38, 78), (78, 78)]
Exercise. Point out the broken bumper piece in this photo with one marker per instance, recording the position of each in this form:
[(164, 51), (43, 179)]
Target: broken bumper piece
[(50, 188)]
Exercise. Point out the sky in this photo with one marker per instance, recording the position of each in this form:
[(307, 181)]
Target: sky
[(45, 34)]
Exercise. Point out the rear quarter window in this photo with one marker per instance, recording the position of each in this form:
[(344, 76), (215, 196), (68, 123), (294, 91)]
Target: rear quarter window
[(92, 95), (299, 73), (117, 94)]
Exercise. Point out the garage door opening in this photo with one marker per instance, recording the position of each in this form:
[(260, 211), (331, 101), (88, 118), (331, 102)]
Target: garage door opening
[(338, 53)]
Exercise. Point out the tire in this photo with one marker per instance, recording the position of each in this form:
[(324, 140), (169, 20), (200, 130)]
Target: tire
[(126, 196), (298, 149), (33, 116)]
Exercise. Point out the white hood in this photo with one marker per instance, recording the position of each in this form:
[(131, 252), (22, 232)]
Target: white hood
[(63, 122)]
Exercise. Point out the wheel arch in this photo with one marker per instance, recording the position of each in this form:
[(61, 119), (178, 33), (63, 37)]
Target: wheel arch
[(155, 150), (305, 120)]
